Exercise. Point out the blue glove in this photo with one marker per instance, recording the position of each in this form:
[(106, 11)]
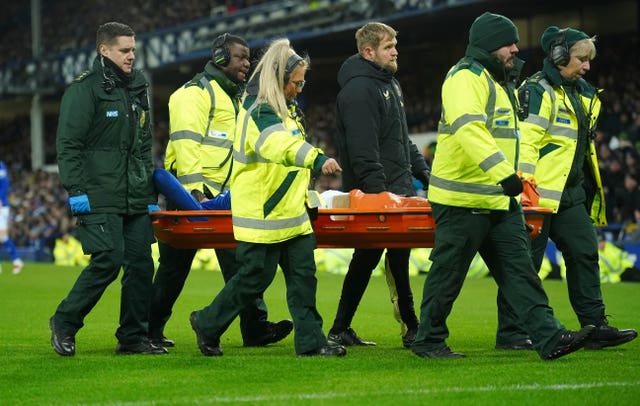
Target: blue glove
[(153, 207), (220, 202), (79, 204)]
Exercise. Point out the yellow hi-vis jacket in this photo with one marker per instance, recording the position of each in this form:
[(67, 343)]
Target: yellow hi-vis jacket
[(477, 140), (548, 145), (271, 173), (202, 123)]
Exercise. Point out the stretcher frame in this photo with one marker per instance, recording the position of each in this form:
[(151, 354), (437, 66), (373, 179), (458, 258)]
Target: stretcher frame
[(405, 227)]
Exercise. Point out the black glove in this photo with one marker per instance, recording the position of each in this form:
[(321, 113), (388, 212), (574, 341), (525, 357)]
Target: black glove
[(424, 178), (511, 185)]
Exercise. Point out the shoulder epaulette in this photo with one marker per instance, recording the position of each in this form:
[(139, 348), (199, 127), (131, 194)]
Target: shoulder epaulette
[(82, 76), (535, 78), (195, 81), (470, 64)]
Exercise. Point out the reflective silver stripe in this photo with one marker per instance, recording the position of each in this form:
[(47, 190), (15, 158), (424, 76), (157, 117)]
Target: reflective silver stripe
[(217, 142), (186, 135), (314, 198), (455, 186), (190, 178), (549, 89), (504, 133), (241, 155), (537, 120), (491, 103), (571, 133), (248, 159), (527, 168), (459, 122), (212, 96), (492, 161), (276, 224), (214, 185), (262, 138), (302, 152), (549, 194)]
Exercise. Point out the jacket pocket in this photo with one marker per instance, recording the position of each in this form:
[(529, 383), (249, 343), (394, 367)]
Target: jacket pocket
[(94, 234)]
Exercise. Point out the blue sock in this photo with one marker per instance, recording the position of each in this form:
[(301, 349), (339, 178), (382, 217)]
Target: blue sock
[(11, 247)]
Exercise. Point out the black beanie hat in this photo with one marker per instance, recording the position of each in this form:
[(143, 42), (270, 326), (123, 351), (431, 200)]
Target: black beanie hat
[(571, 36), (492, 31)]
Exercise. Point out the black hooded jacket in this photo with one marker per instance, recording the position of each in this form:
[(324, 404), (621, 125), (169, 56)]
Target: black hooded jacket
[(374, 148)]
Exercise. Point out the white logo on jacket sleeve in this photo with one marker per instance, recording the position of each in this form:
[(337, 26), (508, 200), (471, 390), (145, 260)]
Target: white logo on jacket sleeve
[(111, 113)]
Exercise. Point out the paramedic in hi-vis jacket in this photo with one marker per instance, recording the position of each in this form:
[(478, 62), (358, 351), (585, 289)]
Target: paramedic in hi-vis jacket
[(558, 150), (474, 193), (272, 166)]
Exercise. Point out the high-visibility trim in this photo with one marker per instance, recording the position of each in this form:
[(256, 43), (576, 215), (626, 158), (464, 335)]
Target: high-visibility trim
[(492, 161), (302, 153), (504, 133), (218, 142), (464, 187), (460, 122), (215, 185), (537, 120), (270, 225), (314, 199), (549, 194), (190, 178), (186, 135), (262, 138), (241, 155), (571, 133), (527, 168)]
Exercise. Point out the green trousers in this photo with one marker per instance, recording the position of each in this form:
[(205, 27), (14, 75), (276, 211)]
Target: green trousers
[(114, 241), (500, 237), (259, 263), (572, 231), (171, 276)]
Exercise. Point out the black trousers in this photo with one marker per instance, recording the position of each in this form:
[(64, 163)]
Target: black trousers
[(572, 231), (114, 241), (259, 265), (169, 281), (363, 262), (502, 239)]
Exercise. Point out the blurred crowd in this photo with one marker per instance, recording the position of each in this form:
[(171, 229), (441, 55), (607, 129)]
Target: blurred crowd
[(38, 200), (72, 25)]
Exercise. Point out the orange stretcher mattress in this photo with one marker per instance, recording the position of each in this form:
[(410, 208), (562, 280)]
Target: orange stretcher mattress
[(407, 223)]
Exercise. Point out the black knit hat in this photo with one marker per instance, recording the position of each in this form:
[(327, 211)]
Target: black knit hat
[(492, 31)]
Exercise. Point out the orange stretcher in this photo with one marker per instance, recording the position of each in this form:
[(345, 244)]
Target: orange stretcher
[(381, 220)]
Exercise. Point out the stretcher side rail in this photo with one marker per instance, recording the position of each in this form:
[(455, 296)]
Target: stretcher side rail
[(404, 227)]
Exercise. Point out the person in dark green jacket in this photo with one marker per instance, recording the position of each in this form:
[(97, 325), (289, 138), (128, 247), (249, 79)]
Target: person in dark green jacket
[(104, 157)]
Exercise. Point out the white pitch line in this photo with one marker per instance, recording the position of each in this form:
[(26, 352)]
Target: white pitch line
[(351, 395)]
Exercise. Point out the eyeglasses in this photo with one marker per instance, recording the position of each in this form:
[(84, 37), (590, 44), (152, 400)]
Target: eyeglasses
[(299, 83)]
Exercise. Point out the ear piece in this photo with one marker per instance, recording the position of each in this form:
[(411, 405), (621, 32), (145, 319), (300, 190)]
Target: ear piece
[(292, 62), (220, 54), (559, 50)]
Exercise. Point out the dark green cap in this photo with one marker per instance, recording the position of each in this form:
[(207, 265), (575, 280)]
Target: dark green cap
[(571, 37), (492, 31)]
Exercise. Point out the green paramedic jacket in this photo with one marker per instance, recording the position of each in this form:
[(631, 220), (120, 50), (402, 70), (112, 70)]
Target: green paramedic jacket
[(104, 141)]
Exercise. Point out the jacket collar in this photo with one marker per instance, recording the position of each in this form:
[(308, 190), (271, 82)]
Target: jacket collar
[(212, 72)]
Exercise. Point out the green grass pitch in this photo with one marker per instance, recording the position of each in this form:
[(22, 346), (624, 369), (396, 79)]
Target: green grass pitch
[(32, 374)]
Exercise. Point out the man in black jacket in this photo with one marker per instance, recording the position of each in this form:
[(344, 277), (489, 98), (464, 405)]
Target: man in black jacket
[(376, 155)]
